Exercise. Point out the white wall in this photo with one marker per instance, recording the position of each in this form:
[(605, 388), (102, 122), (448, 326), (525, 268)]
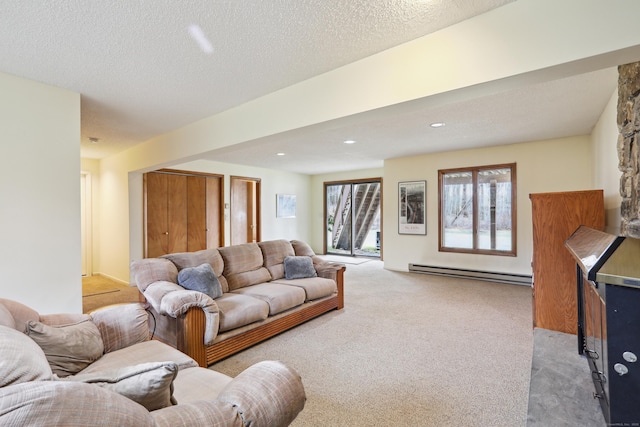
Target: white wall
[(544, 166), (606, 172), (40, 191)]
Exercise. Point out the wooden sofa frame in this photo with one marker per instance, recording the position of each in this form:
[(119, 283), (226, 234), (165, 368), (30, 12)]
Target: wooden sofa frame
[(186, 333)]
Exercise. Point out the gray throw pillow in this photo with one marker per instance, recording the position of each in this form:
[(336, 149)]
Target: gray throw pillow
[(202, 279), (298, 267)]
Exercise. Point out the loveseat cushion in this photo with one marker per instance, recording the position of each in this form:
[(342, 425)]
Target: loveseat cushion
[(274, 253), (193, 259), (243, 265), (121, 325), (314, 288), (239, 310), (21, 359), (148, 351), (202, 279), (149, 384), (193, 384), (20, 312), (6, 318), (279, 297), (66, 403), (68, 348)]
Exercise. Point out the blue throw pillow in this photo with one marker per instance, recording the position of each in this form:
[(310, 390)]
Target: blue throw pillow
[(202, 279), (298, 267)]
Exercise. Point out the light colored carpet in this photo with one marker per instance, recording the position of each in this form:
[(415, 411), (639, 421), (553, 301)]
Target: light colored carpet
[(344, 259), (410, 350), (99, 291)]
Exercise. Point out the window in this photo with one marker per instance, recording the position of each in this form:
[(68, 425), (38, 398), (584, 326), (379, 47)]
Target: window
[(478, 210)]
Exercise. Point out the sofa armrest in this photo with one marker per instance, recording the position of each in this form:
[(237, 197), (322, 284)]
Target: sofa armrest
[(266, 394), (173, 300), (121, 325)]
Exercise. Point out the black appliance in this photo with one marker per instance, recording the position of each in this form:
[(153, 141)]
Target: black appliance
[(608, 286)]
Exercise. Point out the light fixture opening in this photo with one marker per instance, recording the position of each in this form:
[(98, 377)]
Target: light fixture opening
[(349, 141), (437, 124)]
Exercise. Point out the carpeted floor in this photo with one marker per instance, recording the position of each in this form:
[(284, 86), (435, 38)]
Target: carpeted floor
[(410, 350), (98, 291)]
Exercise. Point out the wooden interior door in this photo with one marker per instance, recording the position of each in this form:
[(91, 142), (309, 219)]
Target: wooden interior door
[(245, 210), (165, 213)]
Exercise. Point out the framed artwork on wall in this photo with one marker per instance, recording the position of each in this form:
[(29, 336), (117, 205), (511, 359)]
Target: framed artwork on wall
[(412, 215), (285, 205)]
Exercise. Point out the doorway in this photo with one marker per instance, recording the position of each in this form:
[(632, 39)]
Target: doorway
[(352, 217), (245, 210)]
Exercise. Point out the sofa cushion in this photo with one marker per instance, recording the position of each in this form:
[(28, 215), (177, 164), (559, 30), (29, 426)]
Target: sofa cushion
[(6, 318), (149, 384), (279, 297), (314, 287), (243, 265), (193, 259), (148, 351), (298, 267), (302, 248), (66, 403), (149, 270), (21, 359), (240, 310), (202, 279), (68, 348), (274, 252)]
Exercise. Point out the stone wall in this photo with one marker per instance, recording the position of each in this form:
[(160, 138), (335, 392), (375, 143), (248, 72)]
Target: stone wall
[(628, 153)]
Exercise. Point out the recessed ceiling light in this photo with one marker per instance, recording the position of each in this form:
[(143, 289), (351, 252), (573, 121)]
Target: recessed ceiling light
[(349, 141), (437, 124), (279, 154)]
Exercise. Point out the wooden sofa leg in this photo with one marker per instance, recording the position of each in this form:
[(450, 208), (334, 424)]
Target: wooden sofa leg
[(190, 334), (340, 283)]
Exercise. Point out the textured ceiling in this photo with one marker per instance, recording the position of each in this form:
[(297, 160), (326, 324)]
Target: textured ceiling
[(140, 73)]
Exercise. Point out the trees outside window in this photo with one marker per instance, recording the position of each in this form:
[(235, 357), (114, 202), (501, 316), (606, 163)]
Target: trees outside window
[(477, 207)]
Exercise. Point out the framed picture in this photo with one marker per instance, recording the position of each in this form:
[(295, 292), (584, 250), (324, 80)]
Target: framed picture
[(412, 215), (285, 206)]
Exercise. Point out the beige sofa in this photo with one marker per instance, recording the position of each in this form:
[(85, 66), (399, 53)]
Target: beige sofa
[(102, 369), (260, 290)]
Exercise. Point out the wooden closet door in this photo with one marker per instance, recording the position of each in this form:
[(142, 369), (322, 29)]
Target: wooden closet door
[(215, 223), (177, 213), (156, 216), (196, 213)]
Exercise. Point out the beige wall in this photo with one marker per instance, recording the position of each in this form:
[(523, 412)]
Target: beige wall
[(485, 54), (542, 166), (40, 188), (605, 154)]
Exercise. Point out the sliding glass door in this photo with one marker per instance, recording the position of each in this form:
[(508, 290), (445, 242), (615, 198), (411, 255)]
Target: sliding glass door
[(352, 217)]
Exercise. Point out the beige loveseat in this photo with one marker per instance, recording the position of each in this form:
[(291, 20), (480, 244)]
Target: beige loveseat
[(102, 370), (259, 290)]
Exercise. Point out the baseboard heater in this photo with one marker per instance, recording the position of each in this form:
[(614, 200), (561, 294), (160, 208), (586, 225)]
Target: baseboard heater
[(516, 279)]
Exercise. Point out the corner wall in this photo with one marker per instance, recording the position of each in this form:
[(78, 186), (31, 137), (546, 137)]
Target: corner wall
[(40, 192)]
